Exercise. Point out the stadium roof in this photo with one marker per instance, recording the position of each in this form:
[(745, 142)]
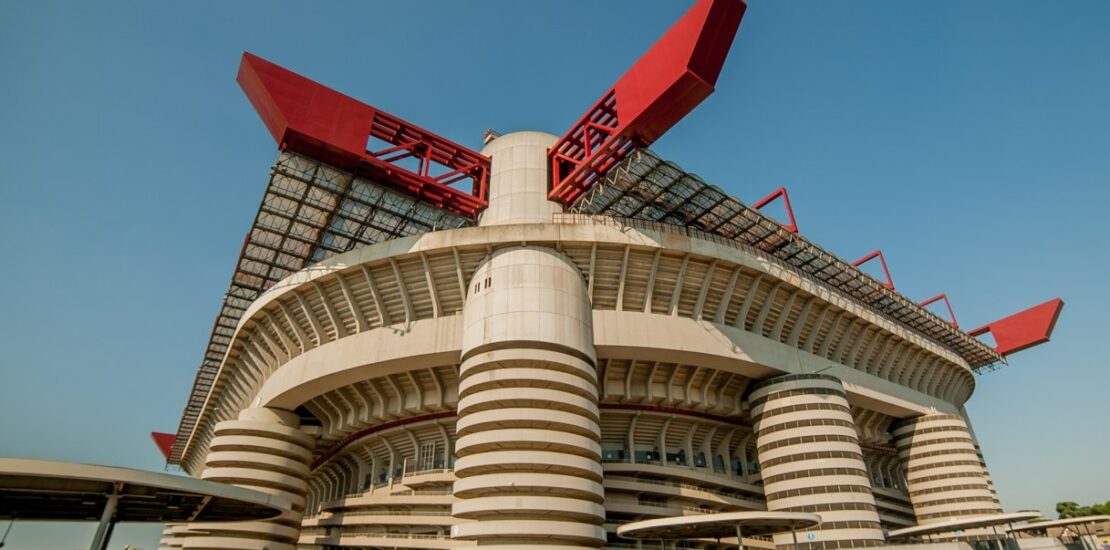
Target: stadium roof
[(309, 212), (644, 186)]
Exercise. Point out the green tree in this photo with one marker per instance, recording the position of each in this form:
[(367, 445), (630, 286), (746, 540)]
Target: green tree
[(1073, 510)]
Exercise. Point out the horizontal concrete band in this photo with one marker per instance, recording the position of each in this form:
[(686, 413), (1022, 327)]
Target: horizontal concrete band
[(527, 417), (522, 377), (264, 429), (531, 398), (263, 529), (224, 543), (530, 529), (535, 355), (528, 460), (535, 484), (255, 443), (527, 438), (531, 506), (252, 459)]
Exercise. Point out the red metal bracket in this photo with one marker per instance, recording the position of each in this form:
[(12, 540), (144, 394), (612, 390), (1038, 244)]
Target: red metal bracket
[(780, 192), (664, 85), (316, 121), (1023, 329), (164, 442), (882, 260), (951, 314)]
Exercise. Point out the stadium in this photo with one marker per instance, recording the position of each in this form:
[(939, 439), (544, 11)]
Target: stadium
[(531, 345)]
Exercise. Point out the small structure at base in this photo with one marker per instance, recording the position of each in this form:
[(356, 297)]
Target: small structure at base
[(1081, 526), (61, 491), (719, 526), (952, 527)]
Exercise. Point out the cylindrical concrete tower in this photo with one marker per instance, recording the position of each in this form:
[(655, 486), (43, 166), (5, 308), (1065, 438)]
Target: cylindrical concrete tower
[(811, 460), (266, 451), (944, 472), (528, 449)]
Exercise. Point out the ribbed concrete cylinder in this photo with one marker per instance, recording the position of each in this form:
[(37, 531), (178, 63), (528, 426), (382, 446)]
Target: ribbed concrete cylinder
[(945, 474), (263, 450), (810, 459), (518, 179), (528, 450)]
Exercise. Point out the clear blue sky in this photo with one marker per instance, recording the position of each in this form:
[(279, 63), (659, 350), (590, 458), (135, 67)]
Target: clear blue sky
[(968, 140)]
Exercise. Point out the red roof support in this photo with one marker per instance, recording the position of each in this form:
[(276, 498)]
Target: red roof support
[(780, 192), (951, 314), (1023, 329), (164, 442), (321, 123), (882, 260), (664, 85)]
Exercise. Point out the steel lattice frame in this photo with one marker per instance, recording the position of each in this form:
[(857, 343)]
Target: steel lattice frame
[(646, 187), (310, 212)]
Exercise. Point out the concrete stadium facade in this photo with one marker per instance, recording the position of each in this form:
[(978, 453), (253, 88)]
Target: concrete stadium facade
[(540, 379)]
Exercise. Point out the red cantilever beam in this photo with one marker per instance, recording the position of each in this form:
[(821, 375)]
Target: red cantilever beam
[(164, 442), (1023, 329), (321, 123), (664, 85)]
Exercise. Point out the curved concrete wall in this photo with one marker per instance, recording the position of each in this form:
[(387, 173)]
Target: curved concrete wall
[(811, 459), (945, 474)]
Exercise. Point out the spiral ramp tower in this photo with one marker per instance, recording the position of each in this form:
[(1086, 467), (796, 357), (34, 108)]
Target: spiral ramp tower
[(592, 337)]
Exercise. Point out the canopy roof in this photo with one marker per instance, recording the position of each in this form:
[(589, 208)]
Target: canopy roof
[(49, 490), (718, 525), (1067, 522), (960, 523)]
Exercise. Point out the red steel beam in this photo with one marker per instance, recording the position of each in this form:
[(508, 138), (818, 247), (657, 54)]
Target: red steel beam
[(664, 85), (882, 260), (951, 314), (1023, 329), (780, 193), (164, 442), (313, 120)]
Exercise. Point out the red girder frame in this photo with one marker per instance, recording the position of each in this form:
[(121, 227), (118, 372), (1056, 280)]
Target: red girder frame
[(164, 442), (882, 261), (951, 314), (664, 85), (792, 226), (1024, 329), (321, 123)]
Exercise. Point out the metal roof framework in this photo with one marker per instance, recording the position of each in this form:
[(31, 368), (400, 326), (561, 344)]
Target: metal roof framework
[(309, 212), (646, 187), (65, 491)]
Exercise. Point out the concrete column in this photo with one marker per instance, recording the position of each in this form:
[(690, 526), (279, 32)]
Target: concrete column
[(266, 451), (528, 449), (518, 179), (810, 458), (945, 474)]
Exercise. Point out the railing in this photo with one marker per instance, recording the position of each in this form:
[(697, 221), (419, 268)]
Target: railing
[(753, 470), (395, 513), (354, 533), (418, 492)]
